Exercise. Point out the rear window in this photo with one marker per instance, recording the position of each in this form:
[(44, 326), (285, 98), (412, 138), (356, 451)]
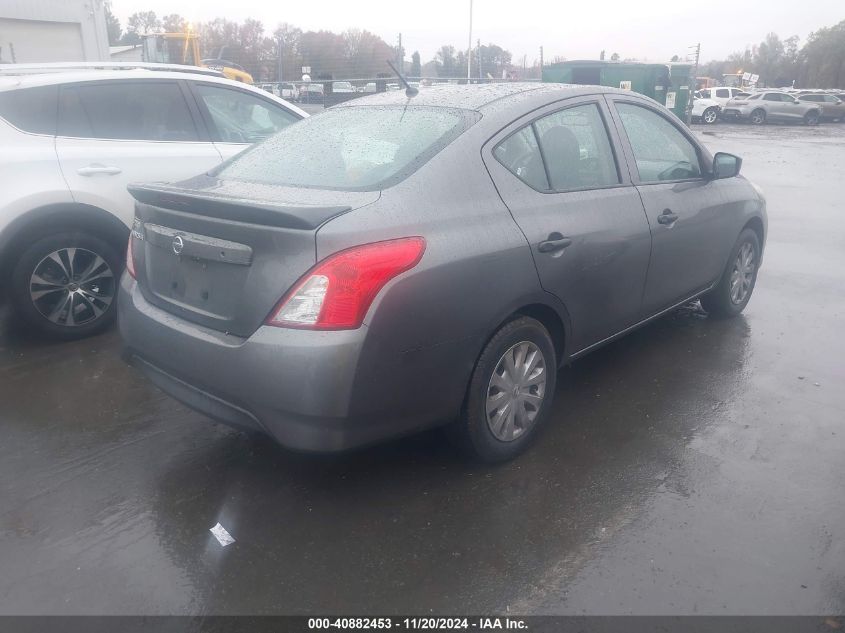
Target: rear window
[(351, 149), (30, 109)]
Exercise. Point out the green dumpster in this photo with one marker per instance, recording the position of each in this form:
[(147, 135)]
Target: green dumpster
[(668, 84)]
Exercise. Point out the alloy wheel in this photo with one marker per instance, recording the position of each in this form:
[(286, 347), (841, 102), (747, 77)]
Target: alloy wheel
[(72, 287), (742, 275), (710, 116), (516, 391)]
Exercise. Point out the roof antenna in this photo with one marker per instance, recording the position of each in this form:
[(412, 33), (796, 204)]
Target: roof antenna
[(410, 91)]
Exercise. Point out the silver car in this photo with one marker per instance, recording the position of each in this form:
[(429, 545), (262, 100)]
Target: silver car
[(401, 262), (833, 108), (772, 105)]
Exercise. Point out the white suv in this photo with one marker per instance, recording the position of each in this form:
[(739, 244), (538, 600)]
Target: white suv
[(722, 95), (71, 142)]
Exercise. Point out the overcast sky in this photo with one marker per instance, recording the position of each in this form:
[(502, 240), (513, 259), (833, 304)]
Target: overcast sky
[(645, 29)]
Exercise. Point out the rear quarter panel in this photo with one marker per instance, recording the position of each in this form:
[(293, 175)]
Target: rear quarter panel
[(29, 176), (427, 327)]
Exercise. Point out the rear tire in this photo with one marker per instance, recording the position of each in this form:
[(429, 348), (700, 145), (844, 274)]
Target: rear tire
[(811, 118), (758, 117), (734, 290), (510, 392), (64, 285), (710, 116)]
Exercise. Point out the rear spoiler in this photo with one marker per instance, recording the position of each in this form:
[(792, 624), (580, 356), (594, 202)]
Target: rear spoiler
[(237, 209)]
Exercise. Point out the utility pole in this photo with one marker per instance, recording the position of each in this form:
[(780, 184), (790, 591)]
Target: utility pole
[(469, 46), (478, 52), (541, 63), (400, 57), (279, 61)]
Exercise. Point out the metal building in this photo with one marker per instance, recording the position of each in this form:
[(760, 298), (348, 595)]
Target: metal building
[(33, 31)]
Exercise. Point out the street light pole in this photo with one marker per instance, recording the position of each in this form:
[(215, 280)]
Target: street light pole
[(469, 47)]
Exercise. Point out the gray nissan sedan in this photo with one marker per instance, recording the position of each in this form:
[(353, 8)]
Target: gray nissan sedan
[(397, 262)]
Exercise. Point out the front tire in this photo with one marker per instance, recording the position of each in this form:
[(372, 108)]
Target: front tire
[(64, 285), (710, 116), (811, 118), (510, 392), (733, 292)]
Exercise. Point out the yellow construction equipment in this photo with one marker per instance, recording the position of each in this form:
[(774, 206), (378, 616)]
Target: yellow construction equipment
[(184, 48)]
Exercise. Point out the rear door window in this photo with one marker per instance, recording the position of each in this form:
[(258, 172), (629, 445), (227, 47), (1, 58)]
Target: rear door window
[(576, 149), (661, 151), (31, 110), (520, 153), (139, 110), (238, 116), (723, 92)]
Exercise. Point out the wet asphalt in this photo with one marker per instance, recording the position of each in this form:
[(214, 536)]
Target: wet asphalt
[(696, 466)]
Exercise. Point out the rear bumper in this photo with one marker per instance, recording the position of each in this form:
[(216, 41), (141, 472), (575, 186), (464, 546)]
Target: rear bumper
[(295, 385)]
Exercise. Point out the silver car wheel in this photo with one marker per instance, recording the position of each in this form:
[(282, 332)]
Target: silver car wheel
[(742, 275), (757, 117), (72, 287), (710, 115), (516, 391)]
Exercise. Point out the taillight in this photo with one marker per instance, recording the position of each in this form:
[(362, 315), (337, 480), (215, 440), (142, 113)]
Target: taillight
[(338, 291), (130, 258)]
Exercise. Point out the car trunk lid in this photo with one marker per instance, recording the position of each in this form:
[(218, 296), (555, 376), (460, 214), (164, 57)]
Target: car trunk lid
[(222, 253)]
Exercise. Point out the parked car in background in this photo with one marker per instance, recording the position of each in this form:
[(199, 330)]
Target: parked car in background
[(833, 107), (310, 93), (705, 110), (368, 88), (722, 95), (271, 88), (288, 91), (72, 141), (343, 87), (772, 105), (399, 263)]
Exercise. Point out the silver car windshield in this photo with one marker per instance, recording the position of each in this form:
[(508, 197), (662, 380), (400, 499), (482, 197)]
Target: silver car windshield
[(352, 148)]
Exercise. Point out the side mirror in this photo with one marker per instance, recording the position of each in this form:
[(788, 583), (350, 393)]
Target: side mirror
[(726, 165)]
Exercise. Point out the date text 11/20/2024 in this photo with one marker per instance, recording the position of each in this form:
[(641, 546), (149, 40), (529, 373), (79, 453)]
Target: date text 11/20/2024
[(426, 624)]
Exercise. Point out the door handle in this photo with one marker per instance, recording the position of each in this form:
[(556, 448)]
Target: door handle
[(98, 170), (667, 217), (555, 242)]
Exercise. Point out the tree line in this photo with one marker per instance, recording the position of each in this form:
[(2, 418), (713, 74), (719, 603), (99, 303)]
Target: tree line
[(354, 53), (819, 63)]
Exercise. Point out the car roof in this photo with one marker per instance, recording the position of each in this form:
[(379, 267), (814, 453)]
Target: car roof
[(10, 81), (13, 82), (479, 96)]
